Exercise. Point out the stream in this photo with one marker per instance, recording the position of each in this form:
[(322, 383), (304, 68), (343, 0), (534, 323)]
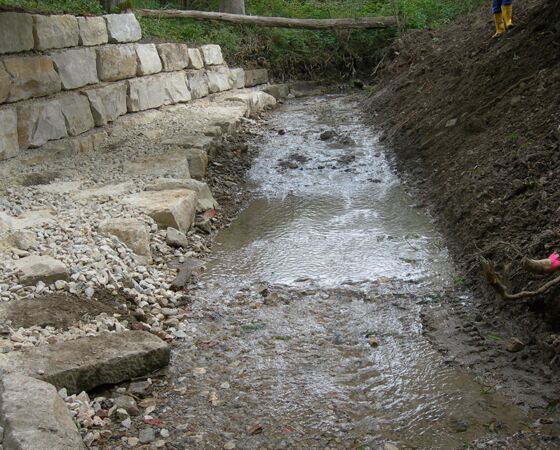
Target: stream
[(307, 329)]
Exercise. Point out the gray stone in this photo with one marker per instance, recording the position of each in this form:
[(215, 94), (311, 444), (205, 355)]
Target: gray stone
[(195, 59), (5, 83), (198, 162), (174, 238), (40, 268), (218, 81), (127, 403), (145, 93), (206, 200), (116, 62), (77, 114), (9, 146), (133, 233), (147, 435), (24, 240), (16, 32), (148, 59), (451, 123), (212, 55), (306, 88), (174, 208), (173, 56), (175, 87), (254, 77), (123, 28), (107, 103), (56, 31), (32, 77), (278, 91), (238, 78), (40, 122), (86, 363), (93, 31), (255, 100), (34, 416), (26, 220), (76, 67), (198, 83)]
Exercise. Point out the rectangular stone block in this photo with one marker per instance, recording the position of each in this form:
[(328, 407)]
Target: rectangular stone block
[(5, 83), (76, 67), (16, 32), (123, 28), (147, 59), (254, 77), (195, 59), (197, 82), (9, 146), (40, 122), (107, 103), (32, 76), (77, 114), (93, 31), (173, 56), (175, 87), (145, 93), (212, 55), (238, 78), (218, 80), (116, 62), (55, 31)]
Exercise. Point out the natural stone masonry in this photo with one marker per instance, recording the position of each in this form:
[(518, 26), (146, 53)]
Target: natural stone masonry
[(40, 122), (16, 32), (55, 32), (238, 78), (77, 67), (107, 103), (32, 77), (195, 59), (93, 31), (77, 114), (116, 62), (175, 87), (198, 83), (34, 416), (86, 363), (5, 83), (148, 59), (212, 55), (123, 28), (157, 90), (9, 146), (173, 56), (219, 80), (255, 77)]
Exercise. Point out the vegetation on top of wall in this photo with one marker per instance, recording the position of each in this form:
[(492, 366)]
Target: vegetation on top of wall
[(287, 52)]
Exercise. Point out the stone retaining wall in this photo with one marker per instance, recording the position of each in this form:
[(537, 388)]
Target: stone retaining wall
[(79, 73)]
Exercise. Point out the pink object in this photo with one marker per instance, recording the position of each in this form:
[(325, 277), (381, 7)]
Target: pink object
[(555, 261)]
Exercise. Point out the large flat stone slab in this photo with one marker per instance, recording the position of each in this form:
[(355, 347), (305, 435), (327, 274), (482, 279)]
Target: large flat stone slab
[(278, 91), (123, 28), (77, 114), (148, 59), (33, 269), (157, 90), (35, 417), (9, 146), (86, 363), (173, 56), (175, 87), (254, 77), (93, 31), (16, 32), (55, 31), (131, 232), (116, 62), (5, 83), (107, 103), (40, 122), (205, 201), (198, 83), (76, 67), (174, 208), (238, 78), (32, 77), (219, 80), (195, 59), (212, 55)]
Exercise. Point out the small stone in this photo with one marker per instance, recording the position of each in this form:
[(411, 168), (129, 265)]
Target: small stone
[(224, 385), (327, 135), (127, 403), (132, 441), (164, 433), (372, 341), (230, 445), (390, 447), (514, 345), (451, 123), (127, 423), (60, 284), (147, 435), (174, 238), (121, 414)]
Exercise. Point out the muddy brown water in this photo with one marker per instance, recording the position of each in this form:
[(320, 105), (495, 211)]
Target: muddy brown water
[(306, 329)]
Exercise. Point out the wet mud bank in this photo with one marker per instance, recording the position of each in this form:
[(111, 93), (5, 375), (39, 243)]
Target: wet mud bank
[(325, 314)]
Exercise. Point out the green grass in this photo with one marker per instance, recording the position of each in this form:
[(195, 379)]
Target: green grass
[(288, 53)]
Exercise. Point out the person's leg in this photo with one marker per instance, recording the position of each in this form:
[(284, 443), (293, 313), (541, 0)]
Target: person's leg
[(507, 13), (498, 18)]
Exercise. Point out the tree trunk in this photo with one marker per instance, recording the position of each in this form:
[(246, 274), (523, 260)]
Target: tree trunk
[(108, 5), (232, 6)]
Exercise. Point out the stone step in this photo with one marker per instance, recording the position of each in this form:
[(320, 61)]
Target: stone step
[(86, 363)]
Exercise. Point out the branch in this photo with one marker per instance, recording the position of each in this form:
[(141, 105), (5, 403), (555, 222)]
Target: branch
[(280, 22)]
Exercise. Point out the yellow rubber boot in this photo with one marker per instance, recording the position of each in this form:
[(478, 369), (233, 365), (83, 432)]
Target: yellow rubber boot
[(508, 16), (499, 22)]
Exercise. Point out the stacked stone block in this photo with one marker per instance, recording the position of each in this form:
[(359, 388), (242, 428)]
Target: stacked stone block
[(79, 73)]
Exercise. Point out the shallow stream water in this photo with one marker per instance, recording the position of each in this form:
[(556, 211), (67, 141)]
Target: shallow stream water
[(308, 330)]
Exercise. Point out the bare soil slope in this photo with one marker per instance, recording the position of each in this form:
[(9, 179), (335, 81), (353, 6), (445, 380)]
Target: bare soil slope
[(476, 120)]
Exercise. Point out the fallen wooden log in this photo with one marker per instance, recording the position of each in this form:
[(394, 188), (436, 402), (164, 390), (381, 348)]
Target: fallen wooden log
[(278, 22)]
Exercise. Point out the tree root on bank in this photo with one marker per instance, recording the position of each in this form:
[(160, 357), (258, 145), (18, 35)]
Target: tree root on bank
[(496, 281)]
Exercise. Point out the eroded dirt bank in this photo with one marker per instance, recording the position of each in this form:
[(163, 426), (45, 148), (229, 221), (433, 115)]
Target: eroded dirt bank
[(474, 123)]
